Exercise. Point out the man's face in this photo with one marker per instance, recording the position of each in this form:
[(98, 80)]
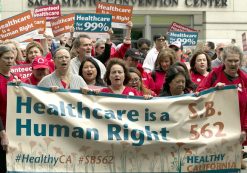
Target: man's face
[(160, 42), (100, 49), (84, 50), (178, 52), (40, 73), (131, 62), (205, 47), (62, 60), (232, 64), (7, 60)]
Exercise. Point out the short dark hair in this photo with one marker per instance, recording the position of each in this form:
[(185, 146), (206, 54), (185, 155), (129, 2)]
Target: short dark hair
[(156, 36), (193, 61), (211, 44), (142, 41)]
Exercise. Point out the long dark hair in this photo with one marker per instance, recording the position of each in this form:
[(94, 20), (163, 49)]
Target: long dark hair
[(99, 81), (173, 71), (193, 61)]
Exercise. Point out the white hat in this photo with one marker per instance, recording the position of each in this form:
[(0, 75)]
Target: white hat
[(177, 44)]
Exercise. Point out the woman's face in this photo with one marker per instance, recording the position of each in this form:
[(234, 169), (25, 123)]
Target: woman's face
[(89, 72), (6, 61), (201, 64), (165, 63), (117, 75), (232, 64), (135, 81), (33, 52), (177, 85)]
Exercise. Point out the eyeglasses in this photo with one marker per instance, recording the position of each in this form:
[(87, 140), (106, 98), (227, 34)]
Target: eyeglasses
[(134, 80)]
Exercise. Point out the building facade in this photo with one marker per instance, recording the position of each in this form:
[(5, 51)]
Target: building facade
[(216, 20)]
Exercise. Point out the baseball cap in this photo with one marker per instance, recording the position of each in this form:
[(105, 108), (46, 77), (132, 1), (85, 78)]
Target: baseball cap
[(134, 53), (177, 44), (40, 62)]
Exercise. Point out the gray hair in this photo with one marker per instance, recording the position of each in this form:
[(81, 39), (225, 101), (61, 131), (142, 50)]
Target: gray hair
[(4, 49), (77, 42), (232, 49), (99, 42), (58, 49)]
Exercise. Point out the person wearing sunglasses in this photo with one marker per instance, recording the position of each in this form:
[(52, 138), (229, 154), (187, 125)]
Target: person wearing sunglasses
[(143, 46), (178, 48), (160, 43)]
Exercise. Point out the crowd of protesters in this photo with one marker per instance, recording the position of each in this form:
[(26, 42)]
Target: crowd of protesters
[(146, 70)]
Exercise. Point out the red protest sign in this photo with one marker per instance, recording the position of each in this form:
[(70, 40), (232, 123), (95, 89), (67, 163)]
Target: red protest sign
[(179, 27), (62, 24), (120, 13), (24, 71), (40, 23), (50, 12), (19, 25)]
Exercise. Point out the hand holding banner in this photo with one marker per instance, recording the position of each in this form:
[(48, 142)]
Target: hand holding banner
[(172, 134)]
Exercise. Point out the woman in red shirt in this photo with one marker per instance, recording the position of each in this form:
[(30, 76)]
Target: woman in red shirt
[(200, 65), (117, 77), (165, 59)]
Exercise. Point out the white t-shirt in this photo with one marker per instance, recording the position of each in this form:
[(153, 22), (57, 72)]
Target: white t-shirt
[(150, 59)]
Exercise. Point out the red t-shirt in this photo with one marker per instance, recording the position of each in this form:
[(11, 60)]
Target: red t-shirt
[(196, 77), (160, 78), (126, 91), (31, 80), (3, 96)]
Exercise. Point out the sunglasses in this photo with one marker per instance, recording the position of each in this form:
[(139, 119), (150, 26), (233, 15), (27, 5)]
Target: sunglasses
[(221, 49), (102, 47)]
